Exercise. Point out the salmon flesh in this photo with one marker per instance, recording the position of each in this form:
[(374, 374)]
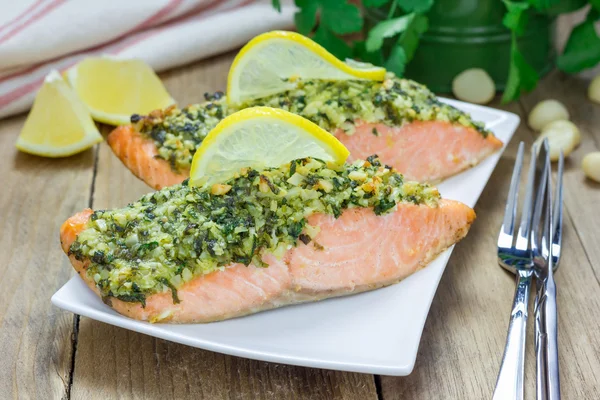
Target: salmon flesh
[(372, 244), (430, 145)]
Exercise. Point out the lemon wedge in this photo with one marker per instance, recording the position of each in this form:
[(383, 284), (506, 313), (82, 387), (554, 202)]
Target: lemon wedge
[(59, 124), (114, 89), (260, 137), (271, 62)]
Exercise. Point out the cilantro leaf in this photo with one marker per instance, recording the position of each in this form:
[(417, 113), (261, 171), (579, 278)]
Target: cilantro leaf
[(411, 36), (359, 51), (516, 17), (386, 29), (396, 62), (521, 75), (543, 5), (306, 16), (583, 47), (556, 7), (375, 3), (340, 17), (276, 5), (418, 6), (334, 44)]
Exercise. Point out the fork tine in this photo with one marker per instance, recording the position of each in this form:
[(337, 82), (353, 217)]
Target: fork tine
[(537, 229), (558, 211), (547, 215), (546, 309), (506, 231), (522, 242)]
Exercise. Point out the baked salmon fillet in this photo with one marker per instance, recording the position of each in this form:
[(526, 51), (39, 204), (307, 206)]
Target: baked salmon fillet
[(299, 233), (398, 119)]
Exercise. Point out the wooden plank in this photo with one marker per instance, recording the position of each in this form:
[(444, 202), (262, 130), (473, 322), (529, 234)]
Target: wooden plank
[(465, 333), (582, 196), (114, 363), (37, 195)]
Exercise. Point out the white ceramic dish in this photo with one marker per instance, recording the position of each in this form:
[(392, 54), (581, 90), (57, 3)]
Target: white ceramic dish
[(376, 332)]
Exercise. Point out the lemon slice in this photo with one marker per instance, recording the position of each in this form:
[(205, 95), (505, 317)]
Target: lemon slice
[(270, 63), (59, 124), (114, 89), (260, 137)]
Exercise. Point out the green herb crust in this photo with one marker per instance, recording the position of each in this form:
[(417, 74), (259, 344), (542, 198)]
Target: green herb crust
[(170, 236), (177, 133), (330, 104), (338, 104)]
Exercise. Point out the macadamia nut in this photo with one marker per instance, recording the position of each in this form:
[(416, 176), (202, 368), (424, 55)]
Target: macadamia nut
[(474, 85), (545, 112)]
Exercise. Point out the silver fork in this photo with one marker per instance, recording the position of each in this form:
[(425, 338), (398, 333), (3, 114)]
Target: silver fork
[(514, 254), (546, 240)]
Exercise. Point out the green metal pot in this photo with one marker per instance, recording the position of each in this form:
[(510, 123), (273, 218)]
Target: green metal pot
[(469, 34)]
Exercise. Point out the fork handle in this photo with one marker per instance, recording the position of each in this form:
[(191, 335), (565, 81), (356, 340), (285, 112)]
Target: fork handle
[(546, 346), (552, 329), (509, 385)]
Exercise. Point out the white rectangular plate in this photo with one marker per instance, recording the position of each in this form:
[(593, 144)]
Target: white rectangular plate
[(376, 332)]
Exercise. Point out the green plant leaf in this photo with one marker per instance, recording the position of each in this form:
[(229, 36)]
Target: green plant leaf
[(521, 75), (409, 40), (396, 62), (516, 17), (306, 16), (582, 50), (331, 42), (387, 29), (374, 3), (556, 7), (543, 5), (359, 52), (417, 6), (276, 5), (340, 17), (595, 4)]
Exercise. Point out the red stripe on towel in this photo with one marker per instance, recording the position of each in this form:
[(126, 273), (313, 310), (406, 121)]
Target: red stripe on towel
[(23, 14), (114, 48), (189, 16), (43, 12), (160, 14)]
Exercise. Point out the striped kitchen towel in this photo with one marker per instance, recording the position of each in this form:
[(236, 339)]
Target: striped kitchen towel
[(37, 36)]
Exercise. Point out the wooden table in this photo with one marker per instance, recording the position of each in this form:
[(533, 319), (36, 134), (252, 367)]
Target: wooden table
[(47, 353)]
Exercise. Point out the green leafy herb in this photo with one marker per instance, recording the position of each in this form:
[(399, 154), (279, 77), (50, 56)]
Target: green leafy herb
[(521, 76), (306, 18), (583, 47), (168, 284), (147, 247), (360, 52), (386, 29), (340, 17), (407, 29), (393, 41), (397, 60), (331, 42), (337, 17), (327, 20), (516, 17), (556, 7), (276, 5), (375, 3), (417, 6), (409, 40)]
